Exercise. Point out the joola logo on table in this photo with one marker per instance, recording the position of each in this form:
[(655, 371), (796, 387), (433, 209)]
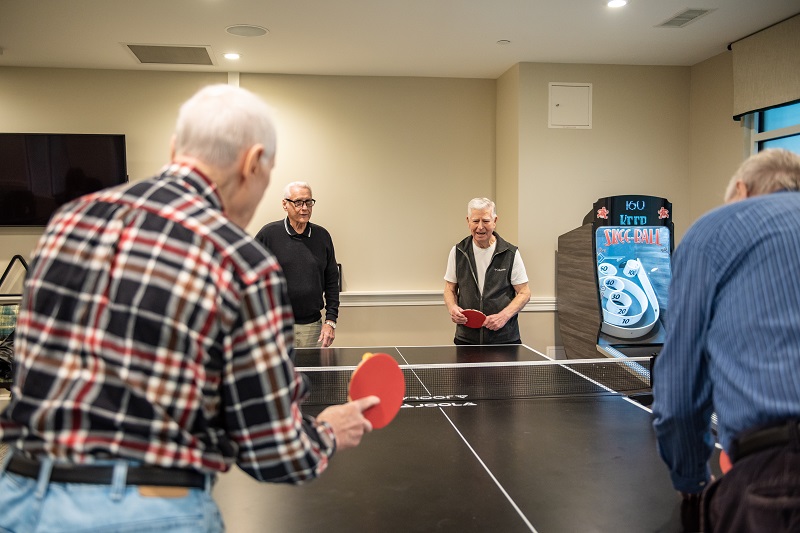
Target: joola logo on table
[(438, 404), (636, 236), (437, 397), (460, 401)]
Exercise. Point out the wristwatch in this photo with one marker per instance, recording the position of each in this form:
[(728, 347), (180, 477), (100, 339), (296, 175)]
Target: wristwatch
[(331, 323)]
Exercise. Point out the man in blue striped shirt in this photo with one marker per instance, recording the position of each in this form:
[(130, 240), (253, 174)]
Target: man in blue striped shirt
[(733, 347)]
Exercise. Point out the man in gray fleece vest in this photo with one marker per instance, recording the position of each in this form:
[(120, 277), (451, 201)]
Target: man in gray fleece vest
[(486, 273)]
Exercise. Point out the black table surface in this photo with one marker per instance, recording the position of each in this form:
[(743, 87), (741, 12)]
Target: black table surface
[(551, 465)]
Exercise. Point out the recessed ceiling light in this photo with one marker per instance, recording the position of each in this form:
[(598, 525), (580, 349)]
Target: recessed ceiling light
[(246, 30), (617, 3), (231, 56), (503, 41)]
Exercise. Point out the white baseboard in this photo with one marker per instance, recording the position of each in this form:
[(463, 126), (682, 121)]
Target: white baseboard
[(556, 352), (398, 298)]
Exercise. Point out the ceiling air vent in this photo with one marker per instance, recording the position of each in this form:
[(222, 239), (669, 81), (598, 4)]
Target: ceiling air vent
[(684, 17), (171, 55)]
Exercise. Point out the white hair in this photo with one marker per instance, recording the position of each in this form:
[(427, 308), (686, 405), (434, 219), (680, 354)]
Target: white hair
[(770, 170), (220, 121), (287, 191), (481, 204)]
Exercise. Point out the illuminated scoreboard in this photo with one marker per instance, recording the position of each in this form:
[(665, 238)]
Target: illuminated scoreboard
[(632, 249), (613, 275)]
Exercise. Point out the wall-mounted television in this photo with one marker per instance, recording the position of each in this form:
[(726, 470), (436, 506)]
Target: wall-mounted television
[(39, 172)]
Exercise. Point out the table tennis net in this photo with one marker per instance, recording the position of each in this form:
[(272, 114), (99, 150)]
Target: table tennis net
[(496, 381)]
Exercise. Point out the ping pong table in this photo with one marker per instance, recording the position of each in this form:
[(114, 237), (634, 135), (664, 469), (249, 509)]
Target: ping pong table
[(475, 448)]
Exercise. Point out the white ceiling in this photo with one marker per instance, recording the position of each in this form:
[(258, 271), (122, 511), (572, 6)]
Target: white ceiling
[(440, 38)]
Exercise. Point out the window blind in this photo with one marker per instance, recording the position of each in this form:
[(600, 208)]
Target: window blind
[(766, 68)]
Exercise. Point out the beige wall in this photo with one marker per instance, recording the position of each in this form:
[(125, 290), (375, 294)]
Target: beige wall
[(507, 196), (717, 141), (638, 144), (423, 147), (393, 163)]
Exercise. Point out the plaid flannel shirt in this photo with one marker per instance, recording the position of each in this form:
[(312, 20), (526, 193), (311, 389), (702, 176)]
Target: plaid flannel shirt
[(154, 329)]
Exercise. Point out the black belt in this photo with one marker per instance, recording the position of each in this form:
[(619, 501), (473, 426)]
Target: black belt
[(762, 439), (103, 475)]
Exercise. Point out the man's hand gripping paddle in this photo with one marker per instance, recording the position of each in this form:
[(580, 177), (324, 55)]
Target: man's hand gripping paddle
[(379, 375)]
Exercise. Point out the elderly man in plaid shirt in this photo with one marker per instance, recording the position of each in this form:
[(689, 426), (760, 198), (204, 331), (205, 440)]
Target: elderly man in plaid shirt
[(154, 345)]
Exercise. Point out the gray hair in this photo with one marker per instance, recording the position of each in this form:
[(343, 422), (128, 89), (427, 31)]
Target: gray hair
[(768, 171), (220, 121), (481, 204), (287, 191)]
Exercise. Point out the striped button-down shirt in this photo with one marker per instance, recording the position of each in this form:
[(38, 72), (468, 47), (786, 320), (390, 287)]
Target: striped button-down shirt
[(154, 329), (733, 332)]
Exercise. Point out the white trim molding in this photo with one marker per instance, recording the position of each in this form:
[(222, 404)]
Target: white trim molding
[(398, 298), (394, 299)]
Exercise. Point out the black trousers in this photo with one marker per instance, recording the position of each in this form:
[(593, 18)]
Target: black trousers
[(761, 493)]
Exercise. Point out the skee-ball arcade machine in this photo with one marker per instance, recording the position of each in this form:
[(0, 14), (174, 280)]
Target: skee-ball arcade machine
[(612, 278)]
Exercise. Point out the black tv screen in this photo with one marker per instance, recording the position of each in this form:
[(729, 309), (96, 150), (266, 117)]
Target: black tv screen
[(41, 171)]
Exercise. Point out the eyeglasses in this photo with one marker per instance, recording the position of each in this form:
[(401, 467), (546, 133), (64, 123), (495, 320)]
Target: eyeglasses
[(300, 203)]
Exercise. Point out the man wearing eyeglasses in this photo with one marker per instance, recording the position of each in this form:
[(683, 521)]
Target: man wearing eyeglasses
[(305, 253)]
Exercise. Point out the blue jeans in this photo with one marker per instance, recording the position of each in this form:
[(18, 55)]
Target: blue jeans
[(31, 506)]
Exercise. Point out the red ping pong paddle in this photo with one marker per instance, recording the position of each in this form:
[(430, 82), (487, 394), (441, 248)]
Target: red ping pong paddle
[(379, 375), (475, 318), (724, 462)]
